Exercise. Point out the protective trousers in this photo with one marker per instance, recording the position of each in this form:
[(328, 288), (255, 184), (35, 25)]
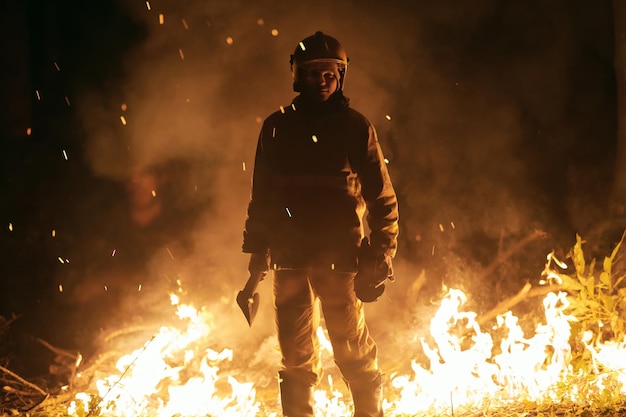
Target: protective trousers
[(298, 317)]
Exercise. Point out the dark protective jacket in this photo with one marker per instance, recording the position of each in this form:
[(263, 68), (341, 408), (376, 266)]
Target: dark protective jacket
[(318, 167)]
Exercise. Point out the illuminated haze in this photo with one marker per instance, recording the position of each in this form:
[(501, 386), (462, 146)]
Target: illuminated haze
[(501, 123), (481, 143)]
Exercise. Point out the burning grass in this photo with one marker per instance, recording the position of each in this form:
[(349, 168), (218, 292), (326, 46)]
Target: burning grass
[(574, 364)]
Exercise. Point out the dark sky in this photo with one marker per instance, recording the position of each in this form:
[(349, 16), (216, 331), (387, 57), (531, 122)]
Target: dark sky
[(502, 122)]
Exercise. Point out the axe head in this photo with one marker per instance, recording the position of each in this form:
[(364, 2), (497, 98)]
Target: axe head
[(249, 305)]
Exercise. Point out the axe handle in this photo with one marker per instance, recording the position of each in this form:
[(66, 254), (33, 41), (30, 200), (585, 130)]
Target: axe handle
[(252, 282)]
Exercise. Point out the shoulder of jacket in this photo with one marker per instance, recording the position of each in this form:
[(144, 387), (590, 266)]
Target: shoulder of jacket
[(358, 123), (275, 118), (358, 117), (282, 112)]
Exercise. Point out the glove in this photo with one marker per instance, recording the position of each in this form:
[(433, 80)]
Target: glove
[(374, 269), (259, 262)]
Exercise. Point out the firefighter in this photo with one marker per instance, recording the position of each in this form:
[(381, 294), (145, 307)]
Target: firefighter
[(319, 174)]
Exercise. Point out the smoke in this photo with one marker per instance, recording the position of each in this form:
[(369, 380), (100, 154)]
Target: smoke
[(473, 106)]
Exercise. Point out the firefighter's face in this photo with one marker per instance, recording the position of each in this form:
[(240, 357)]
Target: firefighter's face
[(320, 82)]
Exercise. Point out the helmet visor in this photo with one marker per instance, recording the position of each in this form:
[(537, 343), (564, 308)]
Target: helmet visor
[(323, 64)]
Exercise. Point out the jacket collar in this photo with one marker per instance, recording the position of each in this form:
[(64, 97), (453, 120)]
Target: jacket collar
[(335, 103)]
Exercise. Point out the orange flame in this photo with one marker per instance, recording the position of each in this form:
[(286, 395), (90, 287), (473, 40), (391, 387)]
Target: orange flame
[(466, 369)]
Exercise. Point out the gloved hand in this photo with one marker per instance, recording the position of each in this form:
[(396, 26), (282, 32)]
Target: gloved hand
[(259, 262), (374, 270)]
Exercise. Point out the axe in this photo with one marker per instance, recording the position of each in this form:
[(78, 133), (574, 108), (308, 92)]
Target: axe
[(247, 299)]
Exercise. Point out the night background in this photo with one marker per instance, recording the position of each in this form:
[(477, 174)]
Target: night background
[(128, 146)]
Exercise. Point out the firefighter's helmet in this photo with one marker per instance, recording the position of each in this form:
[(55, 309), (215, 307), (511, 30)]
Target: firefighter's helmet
[(318, 50)]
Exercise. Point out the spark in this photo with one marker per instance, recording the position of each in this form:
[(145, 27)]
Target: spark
[(28, 131), (259, 119), (123, 120), (148, 5), (314, 138), (60, 260), (67, 101), (65, 154), (386, 161), (274, 132), (60, 287), (260, 22), (170, 253), (105, 288), (161, 18), (185, 24), (302, 46), (441, 227), (229, 40), (113, 253), (243, 165), (274, 32), (282, 109), (180, 52), (57, 66), (154, 193), (54, 233), (139, 288), (10, 227), (124, 107), (293, 106), (388, 117), (38, 96), (288, 212), (452, 225)]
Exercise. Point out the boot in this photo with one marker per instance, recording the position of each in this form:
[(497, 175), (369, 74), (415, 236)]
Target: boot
[(296, 396), (367, 397)]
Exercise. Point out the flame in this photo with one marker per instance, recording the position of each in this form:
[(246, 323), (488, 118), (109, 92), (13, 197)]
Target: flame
[(167, 377), (471, 376), (466, 368)]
